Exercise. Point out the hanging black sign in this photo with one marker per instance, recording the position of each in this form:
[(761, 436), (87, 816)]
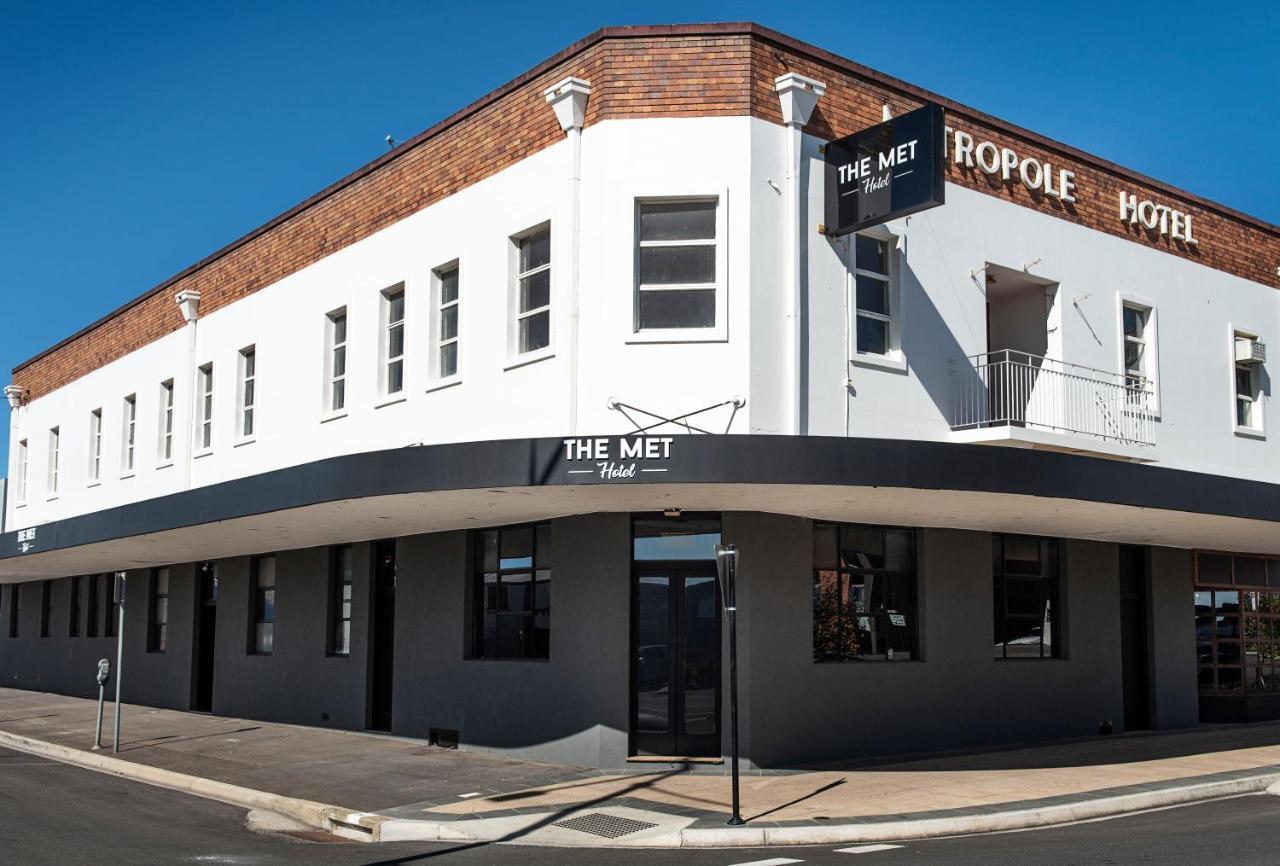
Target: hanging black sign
[(884, 172)]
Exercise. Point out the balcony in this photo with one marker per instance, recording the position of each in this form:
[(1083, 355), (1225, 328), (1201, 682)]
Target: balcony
[(1014, 398)]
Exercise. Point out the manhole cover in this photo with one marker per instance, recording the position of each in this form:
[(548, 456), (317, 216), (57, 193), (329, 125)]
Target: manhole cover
[(607, 826)]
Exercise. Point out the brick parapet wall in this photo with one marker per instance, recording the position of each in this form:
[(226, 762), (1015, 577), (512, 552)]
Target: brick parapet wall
[(679, 71)]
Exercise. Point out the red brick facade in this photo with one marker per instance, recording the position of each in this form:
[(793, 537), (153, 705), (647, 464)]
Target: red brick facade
[(679, 71)]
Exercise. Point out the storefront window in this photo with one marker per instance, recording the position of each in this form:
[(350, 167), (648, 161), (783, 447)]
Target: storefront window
[(1237, 625), (864, 593), (513, 592), (1025, 596)]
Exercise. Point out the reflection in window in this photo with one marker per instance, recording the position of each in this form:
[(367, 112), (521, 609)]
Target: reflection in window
[(1237, 602), (513, 592), (1025, 596), (864, 593), (665, 539)]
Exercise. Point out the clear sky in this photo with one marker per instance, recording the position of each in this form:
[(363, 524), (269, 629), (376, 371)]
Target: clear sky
[(136, 138)]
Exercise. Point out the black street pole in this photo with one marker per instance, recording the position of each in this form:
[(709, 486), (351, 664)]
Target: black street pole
[(727, 559)]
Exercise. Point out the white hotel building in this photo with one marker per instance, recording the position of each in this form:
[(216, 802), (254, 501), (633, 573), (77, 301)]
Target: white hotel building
[(444, 449)]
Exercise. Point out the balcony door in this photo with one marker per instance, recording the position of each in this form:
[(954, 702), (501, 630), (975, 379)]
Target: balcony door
[(1020, 332)]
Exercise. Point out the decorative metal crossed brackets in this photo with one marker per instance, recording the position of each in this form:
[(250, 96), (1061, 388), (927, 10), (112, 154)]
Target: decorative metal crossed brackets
[(617, 405)]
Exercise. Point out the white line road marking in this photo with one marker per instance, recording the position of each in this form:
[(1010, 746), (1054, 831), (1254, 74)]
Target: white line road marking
[(866, 849), (776, 861)]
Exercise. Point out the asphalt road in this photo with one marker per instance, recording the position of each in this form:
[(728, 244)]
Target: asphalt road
[(52, 813)]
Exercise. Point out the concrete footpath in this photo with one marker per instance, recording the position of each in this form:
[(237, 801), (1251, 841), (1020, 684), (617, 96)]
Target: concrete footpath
[(381, 788)]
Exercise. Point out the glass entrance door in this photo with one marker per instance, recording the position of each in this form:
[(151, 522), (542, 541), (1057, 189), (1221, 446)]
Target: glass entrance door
[(675, 661)]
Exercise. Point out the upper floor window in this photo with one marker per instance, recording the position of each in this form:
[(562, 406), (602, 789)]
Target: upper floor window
[(264, 604), (20, 489), (55, 439), (1139, 353), (340, 600), (336, 360), (512, 601), (864, 593), (166, 421), (95, 446), (158, 626), (393, 340), (533, 291), (1025, 596), (446, 323), (875, 328), (248, 379), (205, 414), (676, 283), (1247, 360), (129, 434)]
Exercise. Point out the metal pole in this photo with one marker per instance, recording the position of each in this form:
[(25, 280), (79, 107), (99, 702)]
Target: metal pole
[(97, 730), (727, 567), (119, 657)]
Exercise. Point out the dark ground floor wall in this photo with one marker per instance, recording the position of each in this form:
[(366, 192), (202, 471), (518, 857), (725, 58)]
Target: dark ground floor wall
[(575, 707)]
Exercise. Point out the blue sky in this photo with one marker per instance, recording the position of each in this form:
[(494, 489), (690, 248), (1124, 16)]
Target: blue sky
[(138, 137)]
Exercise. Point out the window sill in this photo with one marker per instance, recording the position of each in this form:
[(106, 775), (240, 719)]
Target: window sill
[(894, 363), (94, 484), (168, 464), (391, 399), (199, 454), (248, 440), (53, 498), (333, 416), (441, 384), (1250, 432), (127, 475), (20, 505), (678, 335), (529, 358)]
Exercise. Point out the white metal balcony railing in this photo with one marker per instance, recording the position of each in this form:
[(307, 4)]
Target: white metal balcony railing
[(1008, 388)]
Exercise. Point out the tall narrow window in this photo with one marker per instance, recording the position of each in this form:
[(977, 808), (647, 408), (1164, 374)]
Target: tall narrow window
[(340, 603), (158, 630), (15, 608), (73, 628), (264, 604), (336, 328), (55, 438), (129, 435), (512, 601), (533, 292), (873, 296), (46, 598), (1248, 382), (393, 340), (1139, 350), (166, 421), (95, 446), (447, 323), (248, 376), (1027, 612), (205, 379), (20, 493), (676, 263), (91, 610), (111, 584)]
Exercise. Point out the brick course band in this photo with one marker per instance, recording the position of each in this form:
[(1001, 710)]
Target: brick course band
[(696, 70)]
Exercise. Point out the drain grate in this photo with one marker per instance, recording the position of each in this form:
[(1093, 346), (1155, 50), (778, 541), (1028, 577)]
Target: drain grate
[(606, 826)]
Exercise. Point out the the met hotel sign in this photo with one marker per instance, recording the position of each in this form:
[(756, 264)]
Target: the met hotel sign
[(895, 169)]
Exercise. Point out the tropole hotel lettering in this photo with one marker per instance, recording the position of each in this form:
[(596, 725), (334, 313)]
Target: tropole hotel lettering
[(617, 459), (884, 172)]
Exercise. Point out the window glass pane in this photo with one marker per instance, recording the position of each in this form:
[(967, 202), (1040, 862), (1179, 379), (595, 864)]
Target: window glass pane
[(1251, 571), (395, 342), (342, 638), (268, 606), (682, 265), (517, 547), (676, 540), (340, 361), (263, 637), (1213, 568), (1022, 637), (1226, 601), (873, 295), (677, 221), (900, 552), (267, 571), (535, 291), (831, 642), (488, 545), (543, 546), (1021, 555), (162, 610), (162, 582), (535, 251), (824, 545), (511, 637), (491, 599), (449, 286), (449, 323), (162, 637), (873, 336), (339, 329), (1244, 382), (1023, 596), (449, 359), (1133, 356), (871, 254), (1135, 322), (677, 309), (395, 307), (535, 332), (861, 547), (516, 596), (1273, 572)]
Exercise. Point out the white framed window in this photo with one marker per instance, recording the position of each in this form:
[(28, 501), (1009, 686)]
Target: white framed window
[(204, 420), (875, 326), (95, 446), (166, 421), (679, 271), (128, 436), (1249, 400), (445, 321), (531, 320), (20, 490), (246, 393), (335, 397), (1139, 352), (55, 456), (391, 380)]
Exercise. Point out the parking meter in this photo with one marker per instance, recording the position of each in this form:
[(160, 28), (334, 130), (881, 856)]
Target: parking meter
[(104, 671), (104, 676)]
